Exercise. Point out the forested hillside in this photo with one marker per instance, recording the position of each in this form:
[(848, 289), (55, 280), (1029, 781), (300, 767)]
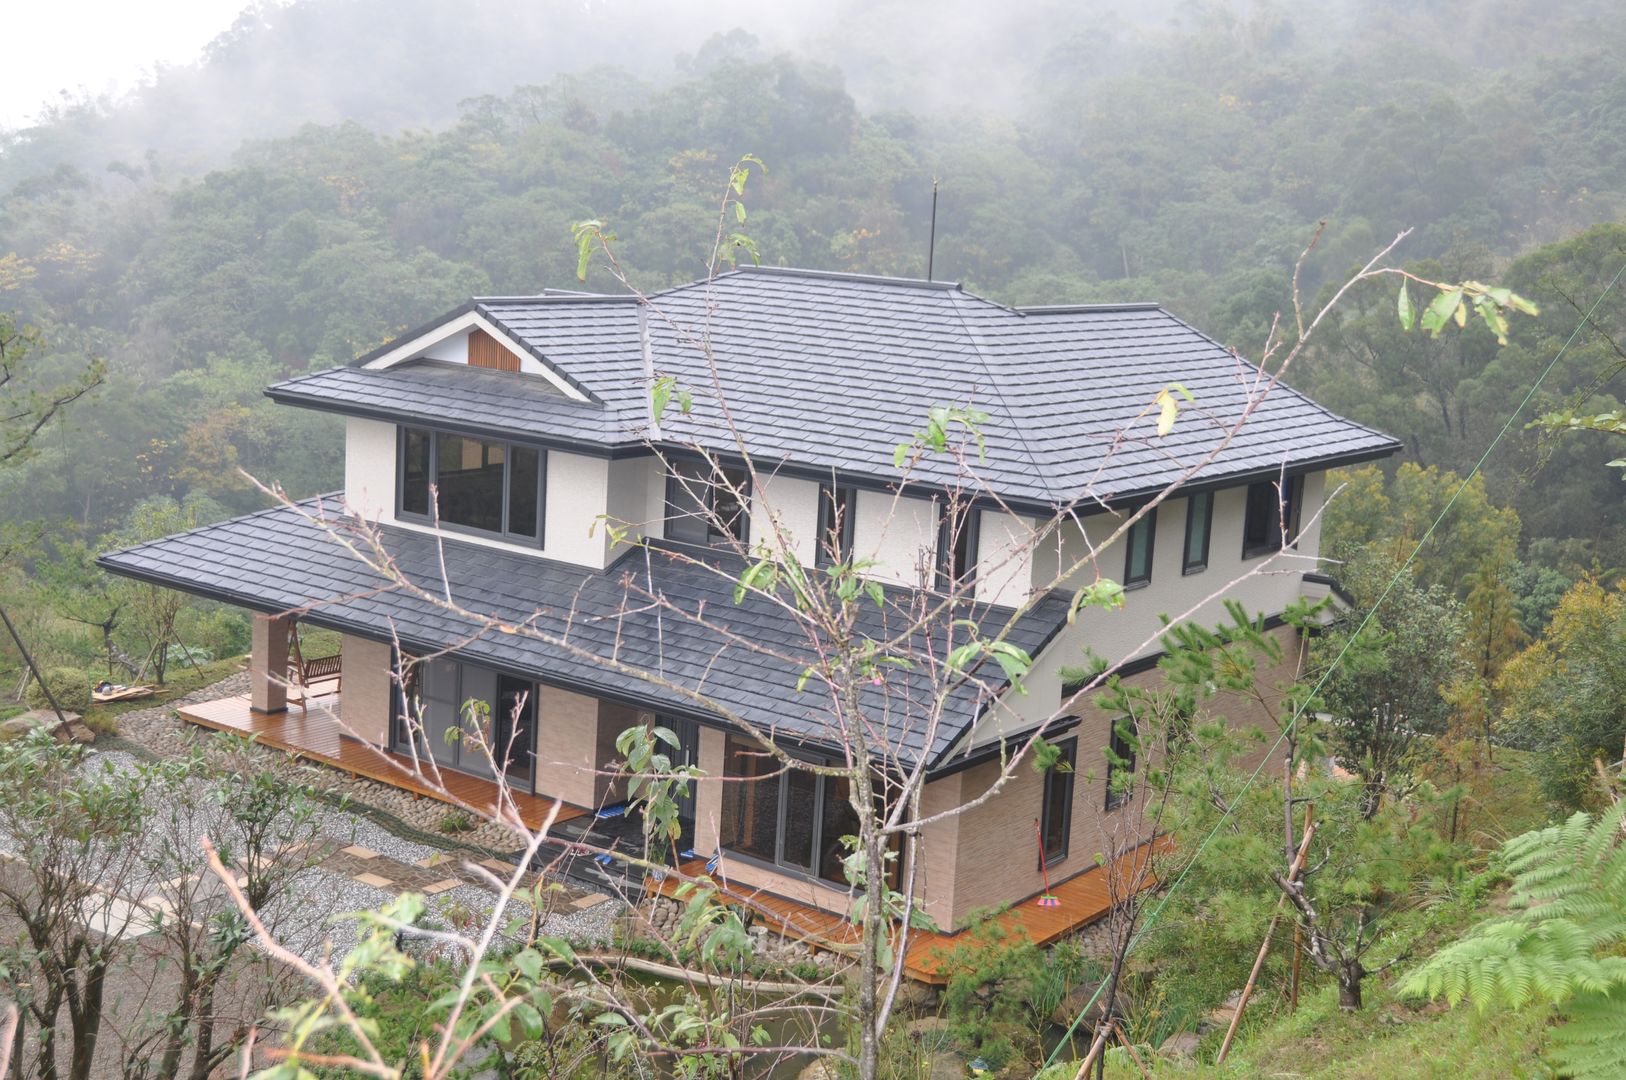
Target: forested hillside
[(334, 172), (1185, 162)]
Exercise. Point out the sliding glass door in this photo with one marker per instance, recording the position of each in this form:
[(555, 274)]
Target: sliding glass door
[(470, 716)]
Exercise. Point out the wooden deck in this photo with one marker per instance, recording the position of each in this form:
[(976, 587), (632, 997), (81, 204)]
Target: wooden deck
[(313, 734), (930, 956)]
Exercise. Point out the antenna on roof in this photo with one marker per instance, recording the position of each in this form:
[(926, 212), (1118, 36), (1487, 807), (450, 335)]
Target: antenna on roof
[(931, 244)]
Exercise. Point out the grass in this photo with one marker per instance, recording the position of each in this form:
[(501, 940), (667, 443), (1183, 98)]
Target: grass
[(1391, 1038), (182, 681), (1387, 1039)]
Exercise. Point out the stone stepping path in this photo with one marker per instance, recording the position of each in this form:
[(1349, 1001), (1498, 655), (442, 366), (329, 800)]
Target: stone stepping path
[(431, 876)]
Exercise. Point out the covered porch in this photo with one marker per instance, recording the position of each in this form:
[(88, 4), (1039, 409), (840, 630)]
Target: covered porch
[(313, 732)]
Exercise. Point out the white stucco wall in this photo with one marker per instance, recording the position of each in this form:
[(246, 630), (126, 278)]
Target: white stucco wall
[(899, 533), (635, 501), (1136, 629), (1005, 555), (794, 503), (369, 468), (577, 496)]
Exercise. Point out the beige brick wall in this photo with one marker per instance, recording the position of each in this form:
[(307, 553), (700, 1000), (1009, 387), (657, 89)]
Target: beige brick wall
[(567, 745), (708, 801), (364, 698), (937, 850), (996, 854)]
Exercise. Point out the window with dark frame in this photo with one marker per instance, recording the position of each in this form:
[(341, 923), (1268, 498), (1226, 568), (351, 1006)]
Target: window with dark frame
[(706, 508), (838, 506), (1199, 525), (957, 546), (1120, 765), (1269, 507), (483, 486), (789, 818), (1140, 544), (1056, 812)]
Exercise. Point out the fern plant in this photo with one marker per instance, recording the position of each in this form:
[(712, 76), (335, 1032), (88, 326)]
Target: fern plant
[(1561, 942)]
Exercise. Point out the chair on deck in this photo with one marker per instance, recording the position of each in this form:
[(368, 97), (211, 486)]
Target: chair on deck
[(305, 674)]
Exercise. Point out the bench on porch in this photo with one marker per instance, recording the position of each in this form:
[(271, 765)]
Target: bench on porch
[(305, 674)]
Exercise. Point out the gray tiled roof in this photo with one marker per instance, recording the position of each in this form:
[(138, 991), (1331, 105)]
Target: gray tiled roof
[(833, 371), (281, 559)]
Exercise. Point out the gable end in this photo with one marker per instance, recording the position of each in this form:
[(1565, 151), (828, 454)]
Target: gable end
[(486, 351)]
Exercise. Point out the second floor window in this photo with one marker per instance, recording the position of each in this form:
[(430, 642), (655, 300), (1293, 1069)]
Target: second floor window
[(1140, 542), (957, 546), (706, 507), (1272, 519), (1120, 764), (1199, 523), (479, 486), (838, 505)]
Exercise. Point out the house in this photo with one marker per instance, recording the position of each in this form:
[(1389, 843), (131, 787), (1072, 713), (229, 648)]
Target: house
[(531, 418)]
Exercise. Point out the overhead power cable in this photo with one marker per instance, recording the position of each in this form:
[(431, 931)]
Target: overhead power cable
[(1404, 567)]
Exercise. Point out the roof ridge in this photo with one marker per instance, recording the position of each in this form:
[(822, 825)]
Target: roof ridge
[(558, 297), (847, 275), (1081, 309), (994, 383)]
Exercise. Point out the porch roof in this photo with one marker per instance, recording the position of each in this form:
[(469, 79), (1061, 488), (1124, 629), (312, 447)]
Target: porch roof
[(596, 632)]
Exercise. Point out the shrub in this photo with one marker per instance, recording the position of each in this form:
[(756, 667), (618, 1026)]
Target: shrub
[(454, 822), (70, 685)]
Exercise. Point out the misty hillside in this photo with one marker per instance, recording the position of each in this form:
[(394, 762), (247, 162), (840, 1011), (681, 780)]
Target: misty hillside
[(337, 170)]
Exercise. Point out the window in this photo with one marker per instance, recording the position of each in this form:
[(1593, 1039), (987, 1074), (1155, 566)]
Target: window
[(1120, 764), (957, 546), (837, 509), (480, 486), (1138, 558), (751, 799), (706, 508), (1271, 506), (790, 818), (1056, 814), (1199, 522)]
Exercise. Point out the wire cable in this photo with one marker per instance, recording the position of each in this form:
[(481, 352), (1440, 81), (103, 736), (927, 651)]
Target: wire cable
[(1405, 566)]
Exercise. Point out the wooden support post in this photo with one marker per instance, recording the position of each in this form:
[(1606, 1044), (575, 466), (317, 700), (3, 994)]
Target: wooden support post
[(1264, 946), (268, 665), (1134, 1055)]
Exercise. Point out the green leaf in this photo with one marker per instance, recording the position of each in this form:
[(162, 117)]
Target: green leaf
[(529, 963), (1103, 593), (1408, 314), (659, 395), (1441, 311), (739, 212)]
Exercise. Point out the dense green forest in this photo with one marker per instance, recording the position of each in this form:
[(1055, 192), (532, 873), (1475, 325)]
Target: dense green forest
[(334, 172), (1185, 163)]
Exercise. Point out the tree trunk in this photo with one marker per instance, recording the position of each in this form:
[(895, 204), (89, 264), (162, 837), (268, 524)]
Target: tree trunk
[(87, 1021), (1350, 974), (177, 1022), (204, 1017)]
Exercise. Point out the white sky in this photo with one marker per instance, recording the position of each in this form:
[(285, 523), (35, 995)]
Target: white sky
[(97, 45)]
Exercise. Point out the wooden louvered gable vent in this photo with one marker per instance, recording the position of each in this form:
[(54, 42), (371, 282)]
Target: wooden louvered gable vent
[(487, 352)]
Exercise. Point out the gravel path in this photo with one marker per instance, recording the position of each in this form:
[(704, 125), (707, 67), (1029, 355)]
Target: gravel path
[(328, 890)]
